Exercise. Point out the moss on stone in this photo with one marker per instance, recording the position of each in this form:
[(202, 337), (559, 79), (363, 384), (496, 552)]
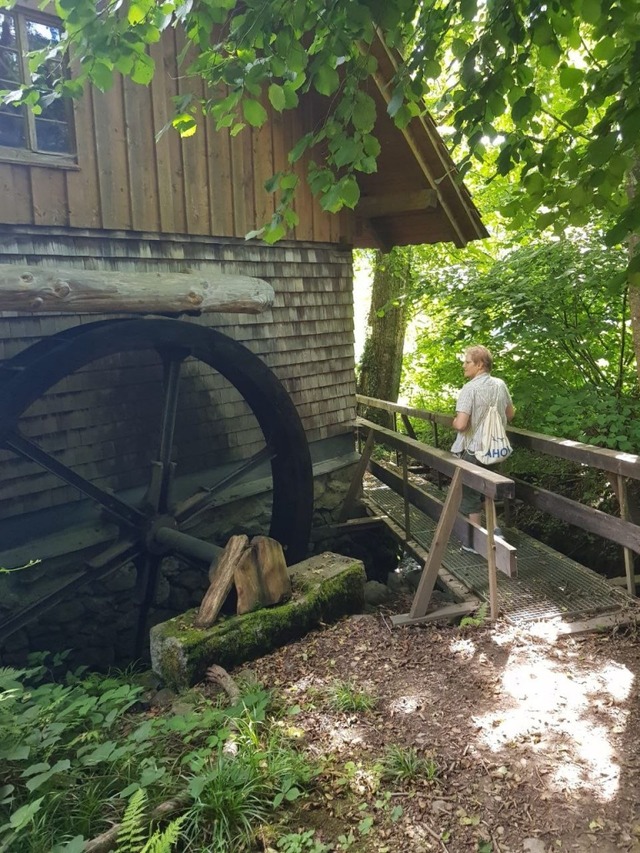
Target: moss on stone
[(325, 588)]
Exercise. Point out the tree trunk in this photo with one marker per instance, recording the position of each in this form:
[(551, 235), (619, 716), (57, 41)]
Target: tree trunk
[(381, 362)]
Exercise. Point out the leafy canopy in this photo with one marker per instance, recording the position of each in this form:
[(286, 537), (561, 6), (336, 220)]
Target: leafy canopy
[(555, 315), (554, 86)]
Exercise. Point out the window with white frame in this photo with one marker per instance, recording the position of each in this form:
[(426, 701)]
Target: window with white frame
[(49, 132)]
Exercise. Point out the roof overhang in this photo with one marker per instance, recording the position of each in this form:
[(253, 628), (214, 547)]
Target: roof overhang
[(416, 195)]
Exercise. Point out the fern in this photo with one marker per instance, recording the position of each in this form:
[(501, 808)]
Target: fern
[(478, 619), (133, 831), (162, 842)]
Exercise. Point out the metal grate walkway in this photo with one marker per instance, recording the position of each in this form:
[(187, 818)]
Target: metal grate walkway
[(548, 584)]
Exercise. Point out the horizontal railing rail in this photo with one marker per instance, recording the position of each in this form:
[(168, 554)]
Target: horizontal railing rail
[(621, 531)]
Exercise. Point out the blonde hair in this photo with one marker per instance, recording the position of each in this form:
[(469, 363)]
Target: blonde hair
[(480, 355)]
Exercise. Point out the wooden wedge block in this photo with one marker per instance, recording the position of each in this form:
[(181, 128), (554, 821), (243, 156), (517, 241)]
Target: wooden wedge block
[(222, 581)]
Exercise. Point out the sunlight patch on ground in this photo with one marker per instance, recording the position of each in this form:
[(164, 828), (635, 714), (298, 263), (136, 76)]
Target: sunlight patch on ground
[(466, 649), (563, 706), (406, 704)]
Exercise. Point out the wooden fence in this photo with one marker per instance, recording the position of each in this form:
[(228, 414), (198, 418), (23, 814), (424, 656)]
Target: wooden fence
[(620, 466)]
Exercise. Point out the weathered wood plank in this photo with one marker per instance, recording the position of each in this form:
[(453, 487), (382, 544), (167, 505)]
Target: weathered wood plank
[(617, 530), (386, 205), (82, 184), (449, 611), (437, 549), (160, 53), (506, 555), (111, 157), (39, 289), (222, 574), (480, 479), (141, 157)]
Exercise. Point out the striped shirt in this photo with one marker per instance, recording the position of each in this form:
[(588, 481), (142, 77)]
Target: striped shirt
[(474, 399)]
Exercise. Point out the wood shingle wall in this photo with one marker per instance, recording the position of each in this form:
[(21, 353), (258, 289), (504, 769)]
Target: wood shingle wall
[(102, 420)]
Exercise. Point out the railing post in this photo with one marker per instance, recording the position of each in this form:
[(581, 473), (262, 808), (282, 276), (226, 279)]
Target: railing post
[(405, 490), (628, 554), (490, 513)]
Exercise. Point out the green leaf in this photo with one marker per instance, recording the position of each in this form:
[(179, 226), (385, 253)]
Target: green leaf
[(143, 69), (397, 99), (300, 147), (326, 80), (277, 97), (101, 76), (521, 108), (23, 816), (136, 14), (254, 113), (591, 11), (605, 50), (364, 112), (570, 77), (576, 115), (468, 9)]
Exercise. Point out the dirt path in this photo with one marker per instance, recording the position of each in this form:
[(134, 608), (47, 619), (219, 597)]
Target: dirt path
[(534, 738)]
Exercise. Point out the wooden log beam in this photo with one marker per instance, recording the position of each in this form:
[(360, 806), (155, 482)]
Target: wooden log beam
[(483, 480), (372, 207), (42, 290)]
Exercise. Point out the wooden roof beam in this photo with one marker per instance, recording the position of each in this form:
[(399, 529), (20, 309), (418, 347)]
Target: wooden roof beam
[(373, 207)]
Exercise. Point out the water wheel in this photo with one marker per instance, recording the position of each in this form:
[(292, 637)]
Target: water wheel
[(152, 525)]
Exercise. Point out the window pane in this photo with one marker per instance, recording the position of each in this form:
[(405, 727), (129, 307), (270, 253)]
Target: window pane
[(12, 129), (9, 66), (40, 35), (56, 111), (52, 136), (7, 31)]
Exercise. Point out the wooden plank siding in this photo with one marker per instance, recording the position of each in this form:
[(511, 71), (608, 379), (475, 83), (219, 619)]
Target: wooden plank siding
[(207, 184), (102, 420)]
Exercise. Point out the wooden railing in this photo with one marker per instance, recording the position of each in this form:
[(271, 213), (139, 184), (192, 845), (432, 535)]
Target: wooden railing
[(621, 466)]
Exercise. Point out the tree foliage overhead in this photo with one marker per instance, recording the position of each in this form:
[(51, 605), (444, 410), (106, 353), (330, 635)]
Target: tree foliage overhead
[(554, 85), (555, 315)]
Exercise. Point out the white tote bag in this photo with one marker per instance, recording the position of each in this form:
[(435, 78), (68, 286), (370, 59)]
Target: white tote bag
[(493, 443)]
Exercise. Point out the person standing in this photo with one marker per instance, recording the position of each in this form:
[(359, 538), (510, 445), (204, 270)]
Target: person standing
[(474, 400)]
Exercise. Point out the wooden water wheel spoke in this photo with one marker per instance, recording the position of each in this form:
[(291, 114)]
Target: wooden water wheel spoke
[(158, 494), (188, 509), (99, 567), (115, 506), (147, 566)]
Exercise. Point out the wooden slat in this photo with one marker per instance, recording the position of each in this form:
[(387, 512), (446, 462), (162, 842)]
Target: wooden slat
[(506, 554), (161, 116), (141, 154), (220, 183), (438, 548), (82, 185), (16, 206), (481, 479), (49, 197), (356, 480), (262, 154), (385, 205), (614, 461), (618, 530), (194, 153), (111, 157)]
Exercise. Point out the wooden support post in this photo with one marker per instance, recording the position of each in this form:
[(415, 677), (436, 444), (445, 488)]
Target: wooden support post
[(356, 480), (438, 546), (435, 444), (405, 495), (628, 554), (409, 427), (394, 417), (490, 513)]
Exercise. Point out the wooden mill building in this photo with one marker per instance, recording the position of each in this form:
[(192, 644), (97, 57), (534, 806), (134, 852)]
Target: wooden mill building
[(91, 190)]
